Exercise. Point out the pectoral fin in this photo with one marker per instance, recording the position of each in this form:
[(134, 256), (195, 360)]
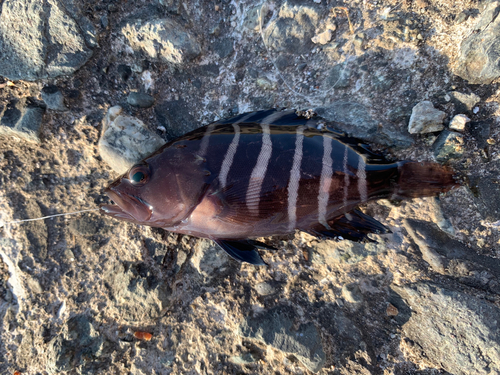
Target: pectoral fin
[(245, 250)]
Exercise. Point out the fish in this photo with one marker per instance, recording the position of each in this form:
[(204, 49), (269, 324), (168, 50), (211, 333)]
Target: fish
[(267, 173)]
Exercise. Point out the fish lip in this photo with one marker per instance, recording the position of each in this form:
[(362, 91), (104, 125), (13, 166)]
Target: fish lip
[(127, 207)]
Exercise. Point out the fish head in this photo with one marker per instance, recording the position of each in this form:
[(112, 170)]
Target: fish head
[(149, 194)]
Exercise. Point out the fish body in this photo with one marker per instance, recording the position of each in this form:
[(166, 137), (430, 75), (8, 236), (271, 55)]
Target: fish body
[(266, 173)]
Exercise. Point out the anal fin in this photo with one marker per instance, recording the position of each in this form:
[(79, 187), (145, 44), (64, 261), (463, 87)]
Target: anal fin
[(354, 226), (244, 250)]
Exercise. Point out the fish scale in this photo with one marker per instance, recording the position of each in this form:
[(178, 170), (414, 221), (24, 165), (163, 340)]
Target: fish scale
[(266, 173)]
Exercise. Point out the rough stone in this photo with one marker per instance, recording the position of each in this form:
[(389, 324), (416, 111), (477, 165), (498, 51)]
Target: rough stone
[(125, 140), (53, 98), (449, 145), (335, 252), (481, 131), (355, 119), (293, 30), (488, 191), (478, 60), (78, 345), (141, 100), (451, 257), (458, 122), (426, 119), (265, 288), (467, 326), (22, 118), (161, 40), (352, 293), (224, 48), (275, 328), (209, 260), (29, 54), (464, 102), (135, 291)]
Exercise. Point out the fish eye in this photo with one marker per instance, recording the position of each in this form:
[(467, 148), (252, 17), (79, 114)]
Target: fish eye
[(138, 175)]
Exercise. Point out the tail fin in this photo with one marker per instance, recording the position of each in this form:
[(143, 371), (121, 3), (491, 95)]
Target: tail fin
[(423, 179)]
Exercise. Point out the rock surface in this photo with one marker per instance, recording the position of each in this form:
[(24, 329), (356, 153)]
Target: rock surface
[(478, 60), (42, 41), (85, 294)]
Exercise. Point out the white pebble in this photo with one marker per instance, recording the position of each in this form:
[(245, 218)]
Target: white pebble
[(458, 122)]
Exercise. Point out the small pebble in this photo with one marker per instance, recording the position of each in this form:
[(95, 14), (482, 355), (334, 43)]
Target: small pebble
[(140, 100), (392, 310), (458, 122), (425, 119), (53, 98)]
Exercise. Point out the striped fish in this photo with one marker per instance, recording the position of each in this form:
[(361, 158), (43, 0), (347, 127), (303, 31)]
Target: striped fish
[(266, 173)]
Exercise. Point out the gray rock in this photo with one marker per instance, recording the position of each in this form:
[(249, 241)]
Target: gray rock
[(22, 118), (243, 359), (125, 140), (138, 99), (339, 76), (335, 252), (426, 119), (451, 257), (78, 345), (161, 40), (478, 60), (275, 327), (452, 330), (355, 119), (265, 83), (223, 47), (265, 288), (352, 293), (29, 53), (293, 30), (209, 260), (449, 145), (53, 98), (464, 102), (134, 291)]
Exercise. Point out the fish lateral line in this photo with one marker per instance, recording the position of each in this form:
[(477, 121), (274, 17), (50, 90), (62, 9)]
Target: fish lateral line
[(46, 217)]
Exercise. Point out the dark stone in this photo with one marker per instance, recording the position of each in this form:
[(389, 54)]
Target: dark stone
[(209, 70), (175, 117), (282, 62), (488, 190), (481, 131), (141, 100), (124, 71), (224, 47), (23, 118), (448, 145)]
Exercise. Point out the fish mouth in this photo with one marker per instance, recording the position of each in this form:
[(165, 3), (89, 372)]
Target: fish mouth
[(127, 207)]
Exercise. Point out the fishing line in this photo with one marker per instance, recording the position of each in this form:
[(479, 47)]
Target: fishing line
[(47, 217)]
